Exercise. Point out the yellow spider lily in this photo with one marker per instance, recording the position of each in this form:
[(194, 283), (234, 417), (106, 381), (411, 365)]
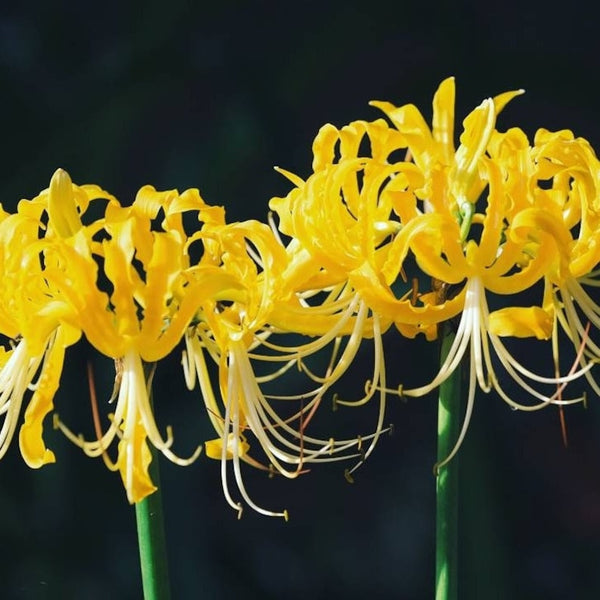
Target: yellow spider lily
[(361, 218), (33, 313), (516, 249), (140, 316), (571, 213), (233, 328), (362, 211)]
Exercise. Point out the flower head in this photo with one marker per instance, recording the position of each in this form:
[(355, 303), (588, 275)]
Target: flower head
[(472, 217), (137, 316), (237, 330)]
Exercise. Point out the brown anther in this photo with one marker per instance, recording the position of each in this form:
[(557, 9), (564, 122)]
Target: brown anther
[(440, 289), (414, 296)]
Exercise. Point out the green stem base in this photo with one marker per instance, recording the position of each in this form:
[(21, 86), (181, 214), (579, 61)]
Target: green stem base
[(152, 545), (447, 479)]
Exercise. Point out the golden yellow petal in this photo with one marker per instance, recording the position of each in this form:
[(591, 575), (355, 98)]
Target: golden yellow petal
[(31, 443), (133, 462), (522, 322), (214, 448), (62, 208), (443, 119)]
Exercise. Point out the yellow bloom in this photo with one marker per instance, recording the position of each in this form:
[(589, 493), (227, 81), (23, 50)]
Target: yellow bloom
[(361, 213), (232, 328), (474, 217), (341, 221), (34, 315), (141, 315), (565, 208), (513, 253)]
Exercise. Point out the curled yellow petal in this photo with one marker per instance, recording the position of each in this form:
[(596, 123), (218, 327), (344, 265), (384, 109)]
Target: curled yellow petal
[(478, 127), (31, 443), (133, 463), (214, 448), (62, 208), (522, 322), (443, 119)]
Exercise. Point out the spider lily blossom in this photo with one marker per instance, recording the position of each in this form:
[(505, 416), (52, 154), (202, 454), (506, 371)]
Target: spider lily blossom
[(236, 330), (33, 314), (342, 220), (35, 320), (522, 240), (470, 217), (490, 265), (571, 211), (140, 316)]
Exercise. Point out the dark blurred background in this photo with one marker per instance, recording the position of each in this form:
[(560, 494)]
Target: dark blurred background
[(213, 95)]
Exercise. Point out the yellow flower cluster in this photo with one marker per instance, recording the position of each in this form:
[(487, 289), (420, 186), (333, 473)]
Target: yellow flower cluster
[(496, 215), (128, 283), (391, 207)]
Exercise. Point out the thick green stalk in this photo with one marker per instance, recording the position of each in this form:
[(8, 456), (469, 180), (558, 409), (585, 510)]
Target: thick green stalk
[(151, 541), (151, 530), (447, 479)]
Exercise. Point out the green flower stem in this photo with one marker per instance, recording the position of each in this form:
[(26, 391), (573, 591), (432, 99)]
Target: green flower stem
[(151, 529), (447, 479), (151, 541)]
